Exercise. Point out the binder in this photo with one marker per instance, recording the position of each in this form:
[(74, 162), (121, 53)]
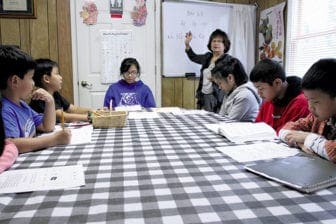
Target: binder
[(303, 172)]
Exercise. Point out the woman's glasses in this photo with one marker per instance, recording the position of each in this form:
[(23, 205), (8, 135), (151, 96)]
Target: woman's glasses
[(132, 73)]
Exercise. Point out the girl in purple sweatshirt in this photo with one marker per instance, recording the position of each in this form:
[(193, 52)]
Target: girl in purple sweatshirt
[(129, 91)]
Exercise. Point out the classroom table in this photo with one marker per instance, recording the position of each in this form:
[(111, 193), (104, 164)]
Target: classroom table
[(161, 170)]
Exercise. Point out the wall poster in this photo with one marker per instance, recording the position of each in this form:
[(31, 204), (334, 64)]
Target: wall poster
[(271, 33)]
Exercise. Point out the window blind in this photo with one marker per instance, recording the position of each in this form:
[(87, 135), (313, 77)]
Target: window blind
[(311, 34)]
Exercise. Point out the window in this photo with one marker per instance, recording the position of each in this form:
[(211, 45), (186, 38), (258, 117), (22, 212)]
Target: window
[(311, 34)]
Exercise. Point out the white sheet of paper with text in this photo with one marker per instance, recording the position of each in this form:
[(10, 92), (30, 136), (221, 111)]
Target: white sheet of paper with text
[(258, 151), (40, 179)]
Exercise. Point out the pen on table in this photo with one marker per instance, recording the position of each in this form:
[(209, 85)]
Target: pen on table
[(62, 119)]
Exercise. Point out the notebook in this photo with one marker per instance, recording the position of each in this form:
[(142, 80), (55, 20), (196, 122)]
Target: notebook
[(303, 172)]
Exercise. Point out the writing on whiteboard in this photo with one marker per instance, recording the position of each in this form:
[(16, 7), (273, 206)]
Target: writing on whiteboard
[(191, 21), (178, 19)]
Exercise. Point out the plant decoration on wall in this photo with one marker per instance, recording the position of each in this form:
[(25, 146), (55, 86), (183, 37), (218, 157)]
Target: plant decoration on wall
[(89, 13), (139, 13), (271, 33)]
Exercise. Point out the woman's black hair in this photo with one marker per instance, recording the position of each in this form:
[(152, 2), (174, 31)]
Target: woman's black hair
[(223, 35), (44, 66), (321, 76), (234, 67), (127, 63)]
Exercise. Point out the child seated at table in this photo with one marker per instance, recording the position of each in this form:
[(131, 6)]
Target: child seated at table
[(129, 91), (317, 132), (47, 76), (283, 99), (241, 102), (8, 150), (20, 121)]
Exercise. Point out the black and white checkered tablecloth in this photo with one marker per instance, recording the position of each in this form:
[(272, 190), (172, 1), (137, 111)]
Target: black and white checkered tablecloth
[(161, 171)]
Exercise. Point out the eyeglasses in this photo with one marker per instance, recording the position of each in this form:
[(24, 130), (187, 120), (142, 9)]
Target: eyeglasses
[(133, 73)]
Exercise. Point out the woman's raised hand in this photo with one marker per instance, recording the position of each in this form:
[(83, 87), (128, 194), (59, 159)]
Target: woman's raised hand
[(187, 39)]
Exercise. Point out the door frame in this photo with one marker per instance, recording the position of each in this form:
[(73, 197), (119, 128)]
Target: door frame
[(158, 50)]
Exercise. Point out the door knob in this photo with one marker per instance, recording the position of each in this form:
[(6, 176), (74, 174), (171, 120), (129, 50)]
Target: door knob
[(86, 84)]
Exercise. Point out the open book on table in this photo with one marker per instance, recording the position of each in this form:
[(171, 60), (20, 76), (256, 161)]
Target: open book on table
[(240, 132)]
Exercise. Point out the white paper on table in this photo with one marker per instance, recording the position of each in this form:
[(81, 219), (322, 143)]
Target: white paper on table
[(190, 112), (79, 135), (258, 151), (128, 108), (166, 109), (142, 115), (40, 179)]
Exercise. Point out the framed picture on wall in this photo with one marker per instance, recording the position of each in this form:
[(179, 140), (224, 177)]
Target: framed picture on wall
[(17, 9)]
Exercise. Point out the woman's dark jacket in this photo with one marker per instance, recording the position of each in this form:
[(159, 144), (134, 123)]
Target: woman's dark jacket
[(204, 60)]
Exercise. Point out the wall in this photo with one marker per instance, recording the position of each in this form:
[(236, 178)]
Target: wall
[(47, 36), (181, 91)]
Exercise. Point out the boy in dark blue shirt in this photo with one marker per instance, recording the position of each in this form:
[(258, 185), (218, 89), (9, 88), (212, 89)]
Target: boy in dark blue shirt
[(20, 121)]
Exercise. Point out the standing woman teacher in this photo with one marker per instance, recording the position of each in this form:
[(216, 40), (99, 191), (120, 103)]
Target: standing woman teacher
[(209, 97)]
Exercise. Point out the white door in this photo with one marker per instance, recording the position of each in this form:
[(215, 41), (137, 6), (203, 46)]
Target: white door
[(87, 53)]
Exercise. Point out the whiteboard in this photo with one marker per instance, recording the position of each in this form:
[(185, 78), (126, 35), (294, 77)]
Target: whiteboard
[(178, 18)]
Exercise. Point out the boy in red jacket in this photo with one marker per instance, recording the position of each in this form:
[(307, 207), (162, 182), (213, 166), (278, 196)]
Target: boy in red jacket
[(283, 97)]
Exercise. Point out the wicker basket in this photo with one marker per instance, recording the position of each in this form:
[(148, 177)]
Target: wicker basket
[(107, 119)]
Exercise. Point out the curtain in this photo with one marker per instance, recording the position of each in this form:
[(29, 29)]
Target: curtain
[(242, 34)]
